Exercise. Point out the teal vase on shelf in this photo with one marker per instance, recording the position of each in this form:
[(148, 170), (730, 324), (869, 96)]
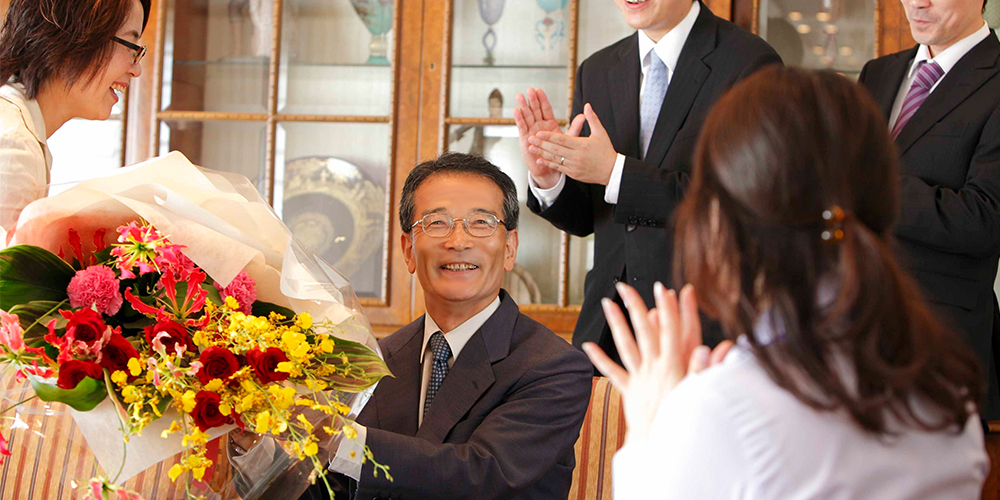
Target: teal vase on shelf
[(377, 16), (549, 32)]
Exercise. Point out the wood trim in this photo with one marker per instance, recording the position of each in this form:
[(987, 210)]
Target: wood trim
[(157, 83), (893, 29), (406, 64), (334, 118), (449, 120), (721, 8), (273, 71), (210, 116)]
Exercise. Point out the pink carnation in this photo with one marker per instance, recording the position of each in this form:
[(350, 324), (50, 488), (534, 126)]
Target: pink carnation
[(243, 289), (95, 286)]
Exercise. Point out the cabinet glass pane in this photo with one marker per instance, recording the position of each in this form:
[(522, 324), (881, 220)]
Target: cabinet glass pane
[(581, 261), (831, 34), (507, 46), (992, 14), (335, 60), (601, 24), (228, 146), (330, 189), (216, 55), (84, 149), (535, 278)]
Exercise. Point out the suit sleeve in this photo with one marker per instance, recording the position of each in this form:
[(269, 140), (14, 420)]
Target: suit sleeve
[(573, 210), (516, 445), (650, 192), (965, 220)]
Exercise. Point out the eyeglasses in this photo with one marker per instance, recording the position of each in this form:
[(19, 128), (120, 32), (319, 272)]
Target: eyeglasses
[(137, 50), (438, 225)]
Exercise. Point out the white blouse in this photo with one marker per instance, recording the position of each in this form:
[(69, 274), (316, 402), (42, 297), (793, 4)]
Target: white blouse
[(25, 160), (731, 433)]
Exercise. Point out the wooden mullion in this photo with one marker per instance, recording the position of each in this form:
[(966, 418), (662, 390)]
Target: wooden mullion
[(161, 28), (572, 45), (333, 118), (487, 121), (272, 100)]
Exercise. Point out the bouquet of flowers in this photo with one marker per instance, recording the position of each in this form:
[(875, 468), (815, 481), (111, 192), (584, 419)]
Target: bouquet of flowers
[(174, 338)]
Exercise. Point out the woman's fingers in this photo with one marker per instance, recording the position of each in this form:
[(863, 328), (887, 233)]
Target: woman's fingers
[(699, 359), (646, 338), (615, 373), (690, 322), (624, 341), (668, 319), (720, 351)]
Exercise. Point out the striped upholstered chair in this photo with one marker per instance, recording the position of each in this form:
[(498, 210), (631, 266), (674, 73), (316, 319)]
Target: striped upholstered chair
[(602, 434)]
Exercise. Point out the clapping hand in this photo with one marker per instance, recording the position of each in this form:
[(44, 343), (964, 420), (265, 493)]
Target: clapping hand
[(667, 346), (587, 159), (532, 115)]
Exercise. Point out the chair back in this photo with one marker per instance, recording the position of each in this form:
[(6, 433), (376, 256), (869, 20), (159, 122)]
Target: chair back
[(602, 434)]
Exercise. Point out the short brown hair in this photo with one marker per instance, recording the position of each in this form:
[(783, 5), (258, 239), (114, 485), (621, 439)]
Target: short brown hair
[(776, 152), (41, 39)]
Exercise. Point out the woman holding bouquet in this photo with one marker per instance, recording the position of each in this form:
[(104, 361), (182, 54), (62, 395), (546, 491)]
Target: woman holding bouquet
[(842, 384), (59, 59)]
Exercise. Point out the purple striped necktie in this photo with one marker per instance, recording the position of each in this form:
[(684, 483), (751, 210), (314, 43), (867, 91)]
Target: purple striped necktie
[(927, 75)]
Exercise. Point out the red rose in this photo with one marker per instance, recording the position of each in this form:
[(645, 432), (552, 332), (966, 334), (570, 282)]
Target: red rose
[(116, 353), (73, 371), (86, 324), (265, 363), (206, 412), (176, 334), (217, 362)]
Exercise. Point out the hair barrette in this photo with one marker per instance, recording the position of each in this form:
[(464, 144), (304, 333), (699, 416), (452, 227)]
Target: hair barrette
[(833, 218)]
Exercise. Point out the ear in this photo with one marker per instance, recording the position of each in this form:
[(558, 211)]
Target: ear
[(510, 251), (406, 240)]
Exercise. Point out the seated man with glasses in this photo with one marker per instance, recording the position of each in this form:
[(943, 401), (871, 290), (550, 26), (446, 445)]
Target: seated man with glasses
[(484, 402)]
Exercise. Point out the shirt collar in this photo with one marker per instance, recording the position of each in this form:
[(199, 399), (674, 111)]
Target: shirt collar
[(668, 49), (460, 336), (30, 111), (947, 58)]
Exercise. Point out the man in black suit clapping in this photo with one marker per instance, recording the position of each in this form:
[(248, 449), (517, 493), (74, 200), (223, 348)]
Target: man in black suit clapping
[(623, 164)]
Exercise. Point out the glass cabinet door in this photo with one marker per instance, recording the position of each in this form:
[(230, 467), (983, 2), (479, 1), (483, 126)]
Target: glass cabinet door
[(829, 34), (299, 97), (497, 49)]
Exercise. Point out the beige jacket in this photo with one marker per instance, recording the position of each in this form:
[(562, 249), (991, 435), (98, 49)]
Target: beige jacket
[(25, 160)]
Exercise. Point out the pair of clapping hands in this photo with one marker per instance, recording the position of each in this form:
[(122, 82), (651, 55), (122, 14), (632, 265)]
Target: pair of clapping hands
[(666, 348), (548, 152)]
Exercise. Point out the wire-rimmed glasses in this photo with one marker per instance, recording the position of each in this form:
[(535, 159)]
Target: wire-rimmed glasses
[(440, 225)]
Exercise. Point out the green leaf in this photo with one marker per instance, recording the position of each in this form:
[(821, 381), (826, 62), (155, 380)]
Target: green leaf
[(39, 313), (213, 293), (87, 394), (363, 368), (261, 308), (30, 273)]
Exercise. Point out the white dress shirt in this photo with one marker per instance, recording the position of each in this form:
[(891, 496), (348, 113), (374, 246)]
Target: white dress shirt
[(668, 49), (349, 453), (25, 160), (730, 432), (947, 59)]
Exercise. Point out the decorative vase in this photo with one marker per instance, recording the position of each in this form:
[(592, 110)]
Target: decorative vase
[(377, 16), (490, 11), (548, 31)]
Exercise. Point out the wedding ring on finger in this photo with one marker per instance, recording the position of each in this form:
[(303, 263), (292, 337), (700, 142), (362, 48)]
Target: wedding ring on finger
[(562, 160)]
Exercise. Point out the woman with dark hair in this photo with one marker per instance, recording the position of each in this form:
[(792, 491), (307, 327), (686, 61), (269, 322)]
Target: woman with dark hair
[(841, 384), (59, 59)]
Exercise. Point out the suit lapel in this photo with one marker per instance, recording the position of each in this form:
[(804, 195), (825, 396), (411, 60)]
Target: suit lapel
[(895, 71), (472, 373), (623, 80), (397, 398), (687, 80), (970, 73)]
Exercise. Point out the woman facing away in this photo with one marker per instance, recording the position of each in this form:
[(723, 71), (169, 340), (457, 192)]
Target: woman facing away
[(59, 59), (841, 384)]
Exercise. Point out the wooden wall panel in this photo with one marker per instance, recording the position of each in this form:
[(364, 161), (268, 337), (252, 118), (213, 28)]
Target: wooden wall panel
[(892, 28)]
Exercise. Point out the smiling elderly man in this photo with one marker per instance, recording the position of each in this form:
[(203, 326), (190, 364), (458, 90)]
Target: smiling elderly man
[(485, 403)]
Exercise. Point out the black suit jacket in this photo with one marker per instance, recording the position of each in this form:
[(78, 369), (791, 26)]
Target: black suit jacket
[(636, 235), (948, 235), (503, 423)]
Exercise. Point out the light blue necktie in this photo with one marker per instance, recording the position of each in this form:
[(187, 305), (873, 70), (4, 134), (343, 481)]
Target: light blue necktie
[(442, 351), (652, 99)]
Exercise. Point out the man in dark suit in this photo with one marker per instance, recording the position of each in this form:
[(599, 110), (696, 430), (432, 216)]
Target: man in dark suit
[(623, 165), (483, 402), (942, 99)]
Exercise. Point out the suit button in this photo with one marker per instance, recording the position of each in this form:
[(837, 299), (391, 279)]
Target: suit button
[(643, 221), (632, 220), (616, 279), (630, 227), (651, 223)]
